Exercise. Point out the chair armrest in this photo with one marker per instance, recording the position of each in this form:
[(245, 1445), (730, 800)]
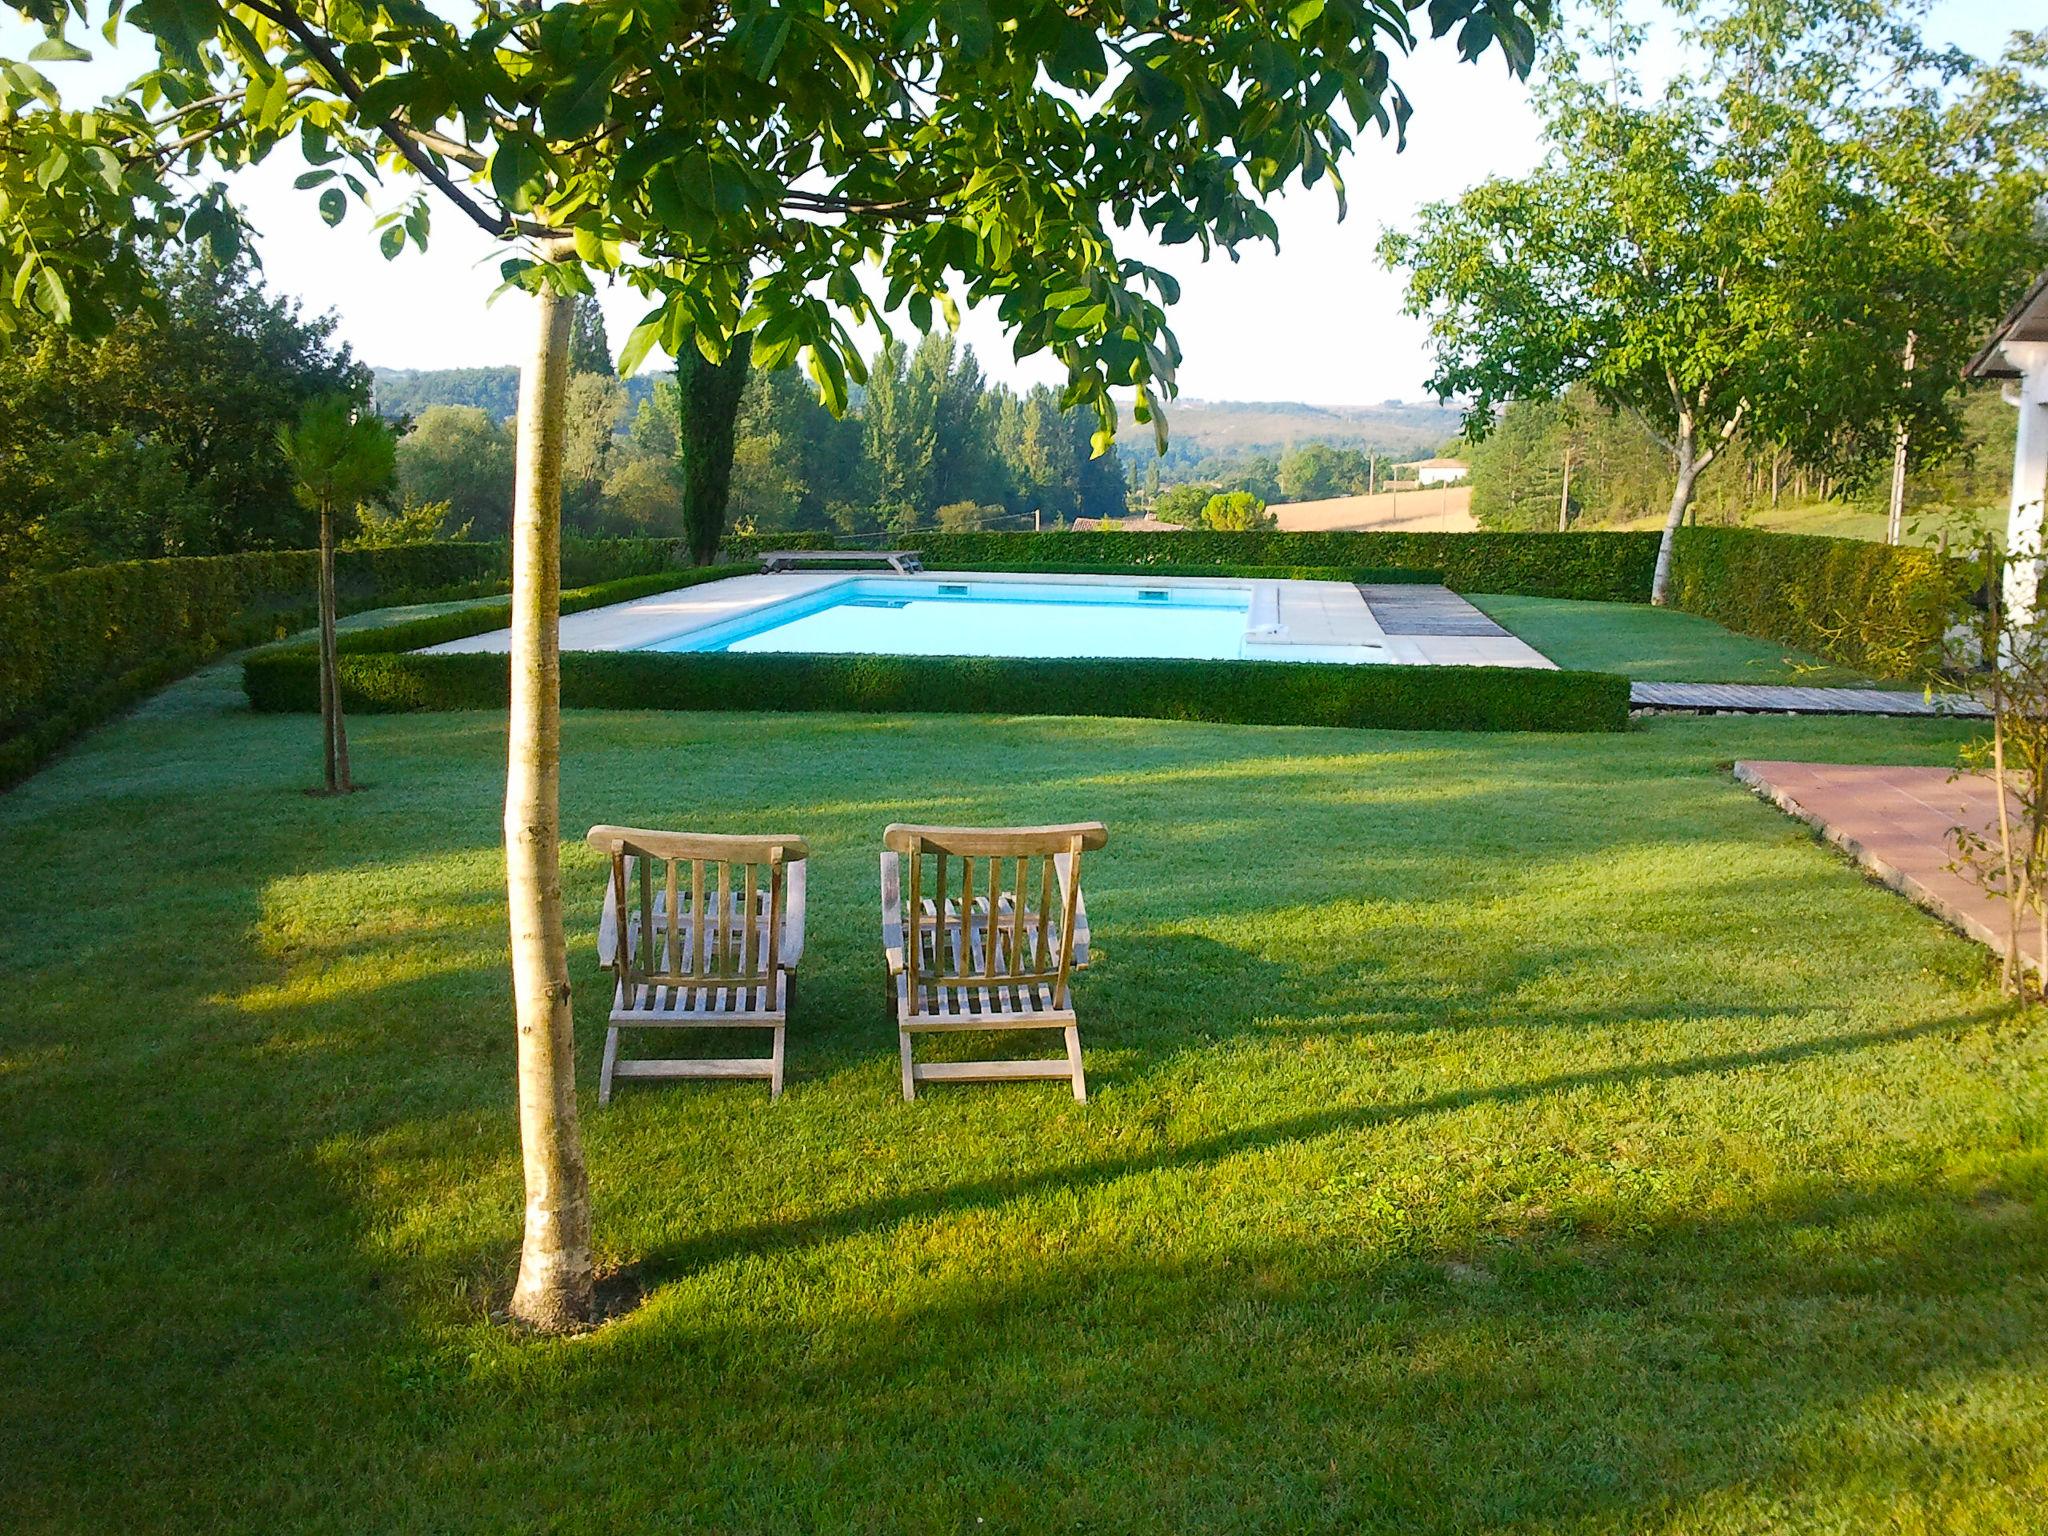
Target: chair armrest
[(892, 912), (793, 913)]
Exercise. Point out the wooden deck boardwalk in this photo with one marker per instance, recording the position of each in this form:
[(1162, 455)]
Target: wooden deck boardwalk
[(1761, 698)]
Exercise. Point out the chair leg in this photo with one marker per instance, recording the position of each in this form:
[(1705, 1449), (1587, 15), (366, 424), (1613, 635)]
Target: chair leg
[(909, 1074), (611, 1057), (775, 1068), (1074, 1057)]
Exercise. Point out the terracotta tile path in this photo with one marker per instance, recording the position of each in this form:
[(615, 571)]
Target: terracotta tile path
[(1896, 822)]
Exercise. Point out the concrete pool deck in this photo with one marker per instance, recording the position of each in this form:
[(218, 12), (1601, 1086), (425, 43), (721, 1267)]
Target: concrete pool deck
[(1311, 614)]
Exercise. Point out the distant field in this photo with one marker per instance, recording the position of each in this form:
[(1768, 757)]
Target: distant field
[(1439, 509)]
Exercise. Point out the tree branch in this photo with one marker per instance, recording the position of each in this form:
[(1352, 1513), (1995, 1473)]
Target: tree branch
[(501, 224)]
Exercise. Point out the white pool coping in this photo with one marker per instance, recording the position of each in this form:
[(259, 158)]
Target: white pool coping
[(1289, 615)]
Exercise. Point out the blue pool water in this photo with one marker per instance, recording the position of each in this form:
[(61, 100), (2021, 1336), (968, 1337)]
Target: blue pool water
[(921, 617)]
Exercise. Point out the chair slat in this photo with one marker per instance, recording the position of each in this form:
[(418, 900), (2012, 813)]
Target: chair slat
[(696, 917), (675, 918), (646, 913), (750, 918), (722, 965)]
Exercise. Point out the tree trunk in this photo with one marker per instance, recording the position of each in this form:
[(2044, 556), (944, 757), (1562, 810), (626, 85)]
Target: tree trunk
[(334, 737), (1681, 500), (553, 1290), (1564, 496), (326, 677)]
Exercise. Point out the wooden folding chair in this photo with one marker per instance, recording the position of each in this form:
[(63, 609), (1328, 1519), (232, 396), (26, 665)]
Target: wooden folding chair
[(994, 956), (733, 969)]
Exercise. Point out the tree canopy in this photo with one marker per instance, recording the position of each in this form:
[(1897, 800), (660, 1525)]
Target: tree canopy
[(159, 436), (743, 166)]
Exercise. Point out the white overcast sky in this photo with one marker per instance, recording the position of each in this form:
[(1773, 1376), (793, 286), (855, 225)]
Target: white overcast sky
[(1319, 321)]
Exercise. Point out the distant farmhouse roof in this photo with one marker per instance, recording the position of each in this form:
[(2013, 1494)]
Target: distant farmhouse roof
[(1126, 525), (2026, 321), (1434, 464)]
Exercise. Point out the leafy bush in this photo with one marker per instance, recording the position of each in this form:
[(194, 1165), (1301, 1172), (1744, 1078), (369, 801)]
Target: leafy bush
[(1239, 692), (1604, 567), (1236, 512), (1877, 607)]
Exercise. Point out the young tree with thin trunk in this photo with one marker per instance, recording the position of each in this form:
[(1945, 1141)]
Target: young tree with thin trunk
[(341, 456), (742, 167), (1749, 248)]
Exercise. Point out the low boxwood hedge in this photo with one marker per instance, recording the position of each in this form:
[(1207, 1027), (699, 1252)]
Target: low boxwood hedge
[(382, 670), (1878, 607), (1236, 692)]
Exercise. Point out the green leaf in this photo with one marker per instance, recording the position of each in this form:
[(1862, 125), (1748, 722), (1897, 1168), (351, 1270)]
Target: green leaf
[(392, 241), (51, 296), (580, 103), (971, 23), (1303, 13), (57, 50), (641, 342), (312, 179), (333, 204), (760, 36), (518, 174)]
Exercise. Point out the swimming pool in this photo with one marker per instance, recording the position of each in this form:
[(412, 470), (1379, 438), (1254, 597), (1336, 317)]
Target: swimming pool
[(917, 616)]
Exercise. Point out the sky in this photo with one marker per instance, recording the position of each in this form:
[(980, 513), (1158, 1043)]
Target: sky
[(1317, 321)]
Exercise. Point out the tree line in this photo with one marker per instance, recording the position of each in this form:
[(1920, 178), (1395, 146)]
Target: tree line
[(929, 442)]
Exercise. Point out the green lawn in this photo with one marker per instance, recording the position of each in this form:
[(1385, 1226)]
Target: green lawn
[(1489, 1133), (1655, 644)]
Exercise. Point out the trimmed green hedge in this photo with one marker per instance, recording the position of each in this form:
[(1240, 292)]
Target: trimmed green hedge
[(1237, 692), (1877, 607), (79, 645), (1388, 575), (1602, 567)]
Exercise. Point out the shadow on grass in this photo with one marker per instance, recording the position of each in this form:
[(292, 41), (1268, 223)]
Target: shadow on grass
[(836, 1226)]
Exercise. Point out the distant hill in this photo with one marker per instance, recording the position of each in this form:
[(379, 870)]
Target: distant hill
[(408, 391), (1197, 427), (1262, 426)]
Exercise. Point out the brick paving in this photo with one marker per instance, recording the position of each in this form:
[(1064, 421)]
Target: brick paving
[(1898, 823)]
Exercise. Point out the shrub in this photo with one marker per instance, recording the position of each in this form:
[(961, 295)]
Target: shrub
[(1236, 512), (1605, 567), (1878, 607)]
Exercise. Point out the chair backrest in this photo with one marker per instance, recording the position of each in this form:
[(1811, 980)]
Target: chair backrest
[(1015, 927), (694, 910)]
